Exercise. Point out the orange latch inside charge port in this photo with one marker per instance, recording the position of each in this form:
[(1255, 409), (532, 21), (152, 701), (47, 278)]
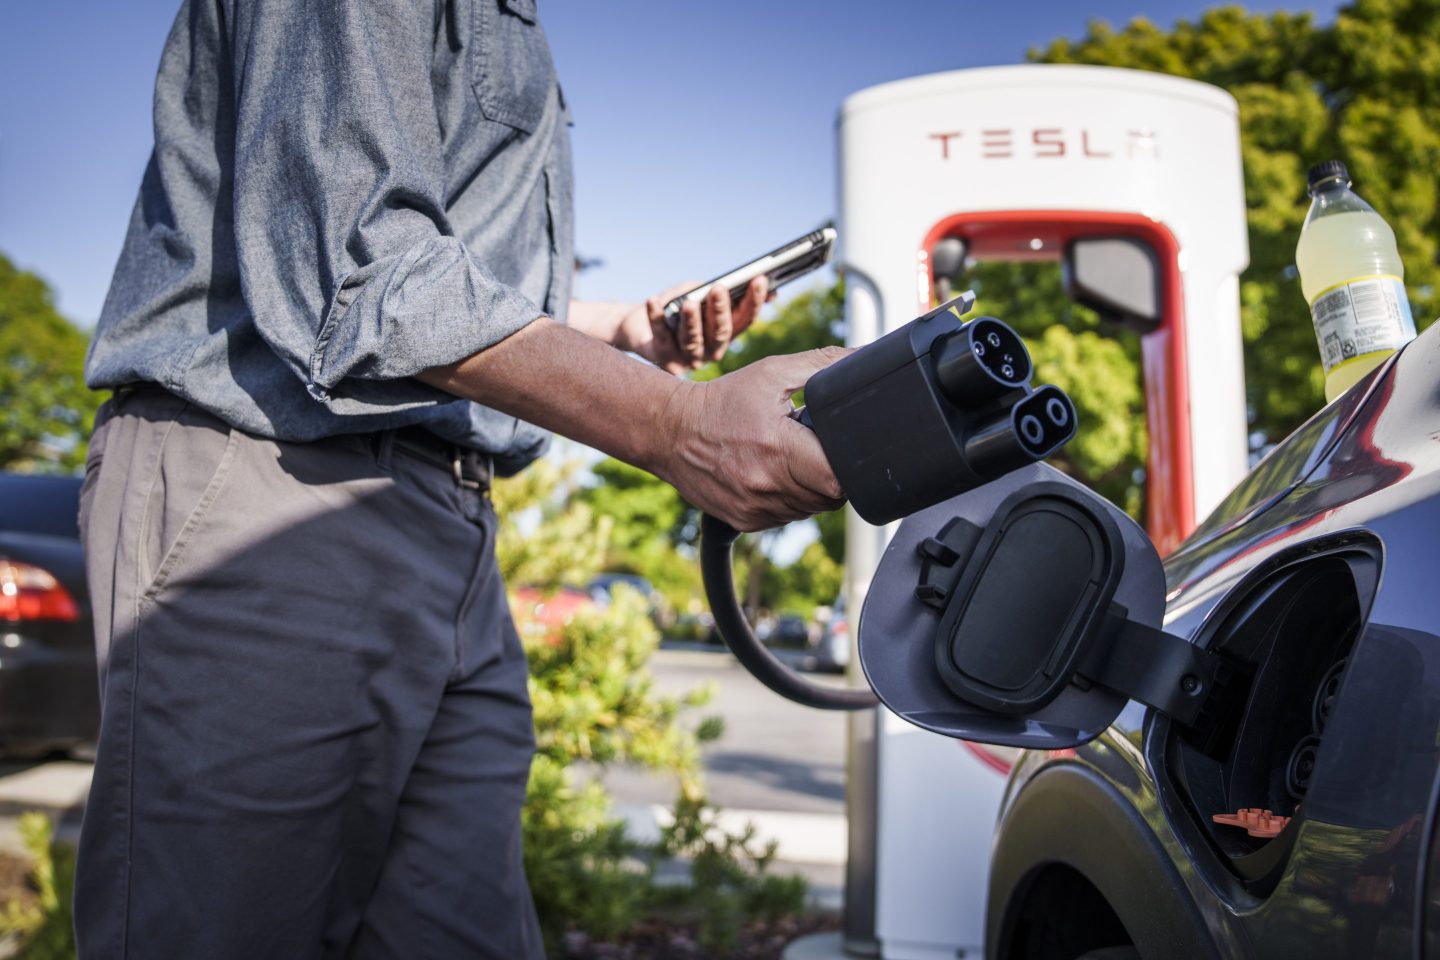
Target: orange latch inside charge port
[(1255, 821)]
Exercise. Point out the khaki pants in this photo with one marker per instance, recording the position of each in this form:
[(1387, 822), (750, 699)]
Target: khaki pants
[(316, 733)]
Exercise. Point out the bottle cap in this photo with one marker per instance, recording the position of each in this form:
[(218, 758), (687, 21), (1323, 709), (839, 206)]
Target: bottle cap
[(1328, 170)]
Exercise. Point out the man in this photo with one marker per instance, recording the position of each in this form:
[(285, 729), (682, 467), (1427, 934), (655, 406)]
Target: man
[(316, 732)]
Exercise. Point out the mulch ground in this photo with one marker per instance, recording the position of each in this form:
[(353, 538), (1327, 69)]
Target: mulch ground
[(15, 879), (673, 941)]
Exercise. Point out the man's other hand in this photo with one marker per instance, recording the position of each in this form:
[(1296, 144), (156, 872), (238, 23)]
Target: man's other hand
[(739, 455), (705, 330)]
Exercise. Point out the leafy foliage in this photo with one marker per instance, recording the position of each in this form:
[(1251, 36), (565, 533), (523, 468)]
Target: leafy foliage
[(812, 579), (1365, 90), (594, 697), (43, 924), (652, 526), (729, 876), (46, 411), (548, 538)]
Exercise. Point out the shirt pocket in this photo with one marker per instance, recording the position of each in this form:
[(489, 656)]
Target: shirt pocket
[(512, 69)]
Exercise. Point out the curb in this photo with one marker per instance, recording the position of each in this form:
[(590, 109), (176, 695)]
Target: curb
[(56, 788)]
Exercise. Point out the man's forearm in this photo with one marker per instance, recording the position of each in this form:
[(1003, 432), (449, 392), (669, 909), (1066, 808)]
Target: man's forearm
[(571, 383), (729, 445)]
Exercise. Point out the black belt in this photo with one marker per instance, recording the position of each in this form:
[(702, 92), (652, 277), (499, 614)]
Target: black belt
[(470, 468)]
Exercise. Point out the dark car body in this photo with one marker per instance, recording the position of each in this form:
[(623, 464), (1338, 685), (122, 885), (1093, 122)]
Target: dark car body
[(602, 587), (832, 654), (1317, 579), (49, 695), (790, 631)]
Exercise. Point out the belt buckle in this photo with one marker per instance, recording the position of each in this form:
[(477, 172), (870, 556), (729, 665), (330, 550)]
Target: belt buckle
[(457, 471), (484, 467)]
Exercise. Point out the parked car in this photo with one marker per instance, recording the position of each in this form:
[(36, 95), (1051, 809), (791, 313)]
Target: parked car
[(832, 653), (790, 631), (1316, 580), (601, 587), (548, 610), (49, 691)]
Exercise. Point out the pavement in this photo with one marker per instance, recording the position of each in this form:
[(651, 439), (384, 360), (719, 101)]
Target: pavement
[(778, 766), (56, 788)]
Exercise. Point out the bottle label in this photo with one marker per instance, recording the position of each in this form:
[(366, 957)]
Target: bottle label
[(1360, 316)]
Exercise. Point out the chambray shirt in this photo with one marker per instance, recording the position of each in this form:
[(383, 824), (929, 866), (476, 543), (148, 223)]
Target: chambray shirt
[(341, 195)]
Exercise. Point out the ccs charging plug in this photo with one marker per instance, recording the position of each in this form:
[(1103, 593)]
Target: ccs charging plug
[(932, 409)]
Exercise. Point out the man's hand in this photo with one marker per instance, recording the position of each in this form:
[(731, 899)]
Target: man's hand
[(739, 455), (704, 332)]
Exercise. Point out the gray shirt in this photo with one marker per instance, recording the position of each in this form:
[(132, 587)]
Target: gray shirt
[(344, 194)]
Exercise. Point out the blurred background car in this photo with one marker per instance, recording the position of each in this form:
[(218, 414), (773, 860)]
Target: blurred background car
[(601, 588), (790, 631), (49, 690), (549, 610), (832, 652)]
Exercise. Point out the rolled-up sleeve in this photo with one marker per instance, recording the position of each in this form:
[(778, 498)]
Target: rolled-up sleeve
[(348, 262)]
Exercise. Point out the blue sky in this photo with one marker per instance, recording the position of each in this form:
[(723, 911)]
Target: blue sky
[(704, 130)]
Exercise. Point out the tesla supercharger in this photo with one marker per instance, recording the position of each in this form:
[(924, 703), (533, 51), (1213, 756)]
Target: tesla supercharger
[(1023, 163)]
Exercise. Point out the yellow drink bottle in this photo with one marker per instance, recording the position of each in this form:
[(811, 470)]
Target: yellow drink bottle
[(1352, 277)]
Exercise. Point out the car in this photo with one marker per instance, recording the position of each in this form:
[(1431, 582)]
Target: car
[(790, 631), (548, 611), (832, 653), (602, 587), (1301, 816), (49, 688)]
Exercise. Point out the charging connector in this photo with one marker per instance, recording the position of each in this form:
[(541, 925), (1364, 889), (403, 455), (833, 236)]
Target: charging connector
[(933, 409)]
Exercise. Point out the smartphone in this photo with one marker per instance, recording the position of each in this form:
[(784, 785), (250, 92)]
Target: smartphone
[(779, 266)]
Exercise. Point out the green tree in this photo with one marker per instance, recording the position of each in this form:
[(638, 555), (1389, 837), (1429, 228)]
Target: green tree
[(1365, 90), (651, 527), (548, 538), (46, 411), (798, 587)]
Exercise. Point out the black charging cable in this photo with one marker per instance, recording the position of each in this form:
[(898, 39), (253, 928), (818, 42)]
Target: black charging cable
[(717, 541)]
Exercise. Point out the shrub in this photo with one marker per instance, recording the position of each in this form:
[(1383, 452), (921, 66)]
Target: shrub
[(43, 923)]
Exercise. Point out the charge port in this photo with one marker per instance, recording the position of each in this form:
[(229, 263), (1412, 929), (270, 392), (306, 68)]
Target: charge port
[(1293, 633)]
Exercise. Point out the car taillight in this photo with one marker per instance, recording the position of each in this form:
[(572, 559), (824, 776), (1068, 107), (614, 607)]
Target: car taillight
[(30, 593)]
